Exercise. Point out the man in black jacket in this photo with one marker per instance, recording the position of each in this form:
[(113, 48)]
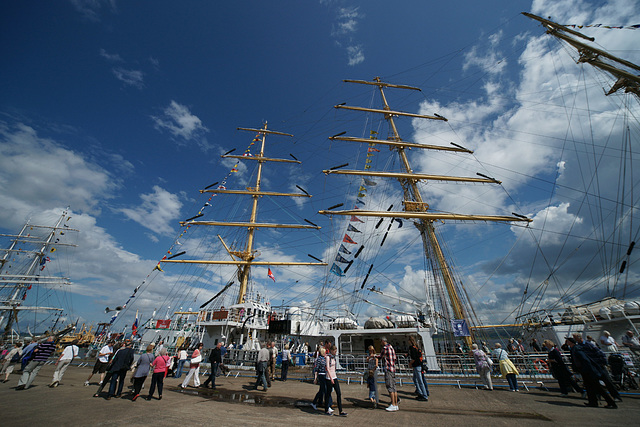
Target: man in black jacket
[(120, 364), (215, 358), (591, 374)]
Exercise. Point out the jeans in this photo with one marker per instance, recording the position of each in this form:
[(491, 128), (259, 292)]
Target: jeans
[(285, 370), (322, 391), (115, 376), (179, 368), (327, 399), (418, 380), (262, 374), (212, 376), (513, 383)]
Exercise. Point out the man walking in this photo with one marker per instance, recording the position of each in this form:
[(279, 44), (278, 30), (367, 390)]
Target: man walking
[(63, 362), (388, 358), (101, 362), (122, 361), (41, 355), (261, 367), (215, 358), (591, 375)]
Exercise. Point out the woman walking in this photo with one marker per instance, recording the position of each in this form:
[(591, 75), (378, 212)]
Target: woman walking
[(372, 380), (507, 368), (319, 377), (286, 357), (142, 370), (12, 357), (160, 369), (416, 364), (332, 383), (483, 366), (194, 368)]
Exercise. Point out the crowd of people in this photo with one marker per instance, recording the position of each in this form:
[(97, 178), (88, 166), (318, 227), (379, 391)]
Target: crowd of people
[(115, 359)]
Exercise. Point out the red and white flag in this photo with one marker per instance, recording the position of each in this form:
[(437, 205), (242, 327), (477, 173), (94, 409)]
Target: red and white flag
[(270, 274)]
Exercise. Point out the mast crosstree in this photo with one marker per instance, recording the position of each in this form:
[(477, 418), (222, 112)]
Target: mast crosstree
[(244, 259), (415, 207)]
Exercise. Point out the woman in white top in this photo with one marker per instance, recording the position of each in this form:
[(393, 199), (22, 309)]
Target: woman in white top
[(286, 357)]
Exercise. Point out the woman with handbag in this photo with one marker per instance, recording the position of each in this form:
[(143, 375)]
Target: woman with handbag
[(142, 370), (160, 368), (507, 368), (194, 368), (483, 366)]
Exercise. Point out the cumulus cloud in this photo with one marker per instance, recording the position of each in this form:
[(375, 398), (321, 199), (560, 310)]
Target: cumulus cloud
[(181, 123), (526, 131), (54, 175), (157, 211)]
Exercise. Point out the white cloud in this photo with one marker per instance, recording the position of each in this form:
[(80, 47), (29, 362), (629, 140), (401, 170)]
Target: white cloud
[(111, 57), (157, 211), (180, 122), (129, 77), (528, 132), (36, 173), (344, 31), (355, 54), (91, 9)]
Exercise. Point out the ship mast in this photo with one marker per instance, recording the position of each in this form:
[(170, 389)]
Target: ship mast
[(16, 283), (414, 205), (591, 55), (245, 258)]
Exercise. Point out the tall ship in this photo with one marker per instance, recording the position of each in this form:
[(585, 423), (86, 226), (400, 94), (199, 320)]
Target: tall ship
[(30, 286), (605, 296), (240, 313)]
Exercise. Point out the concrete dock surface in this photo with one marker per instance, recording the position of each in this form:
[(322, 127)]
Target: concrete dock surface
[(236, 403)]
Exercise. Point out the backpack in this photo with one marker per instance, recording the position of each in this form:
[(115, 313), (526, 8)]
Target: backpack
[(27, 356), (16, 358)]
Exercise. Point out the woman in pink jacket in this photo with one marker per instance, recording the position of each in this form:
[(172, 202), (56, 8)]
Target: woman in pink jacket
[(160, 368)]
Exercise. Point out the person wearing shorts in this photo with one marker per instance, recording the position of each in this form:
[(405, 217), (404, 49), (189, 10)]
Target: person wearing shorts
[(388, 357), (101, 362)]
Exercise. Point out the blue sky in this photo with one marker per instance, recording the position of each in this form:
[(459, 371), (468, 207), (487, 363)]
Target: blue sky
[(121, 110)]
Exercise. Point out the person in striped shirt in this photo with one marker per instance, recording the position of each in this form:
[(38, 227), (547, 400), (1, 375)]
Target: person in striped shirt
[(41, 354), (388, 358)]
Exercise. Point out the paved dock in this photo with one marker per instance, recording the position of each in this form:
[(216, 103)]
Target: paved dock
[(288, 403)]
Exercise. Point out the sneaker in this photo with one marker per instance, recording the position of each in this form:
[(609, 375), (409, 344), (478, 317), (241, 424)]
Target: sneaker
[(391, 408), (330, 411), (135, 397), (343, 414), (313, 405)]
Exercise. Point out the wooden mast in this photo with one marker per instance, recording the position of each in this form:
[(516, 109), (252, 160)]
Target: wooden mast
[(591, 55), (414, 205), (248, 254)]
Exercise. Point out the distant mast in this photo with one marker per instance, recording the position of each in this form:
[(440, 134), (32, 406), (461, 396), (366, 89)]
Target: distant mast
[(591, 55), (15, 284), (414, 205), (245, 258)]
